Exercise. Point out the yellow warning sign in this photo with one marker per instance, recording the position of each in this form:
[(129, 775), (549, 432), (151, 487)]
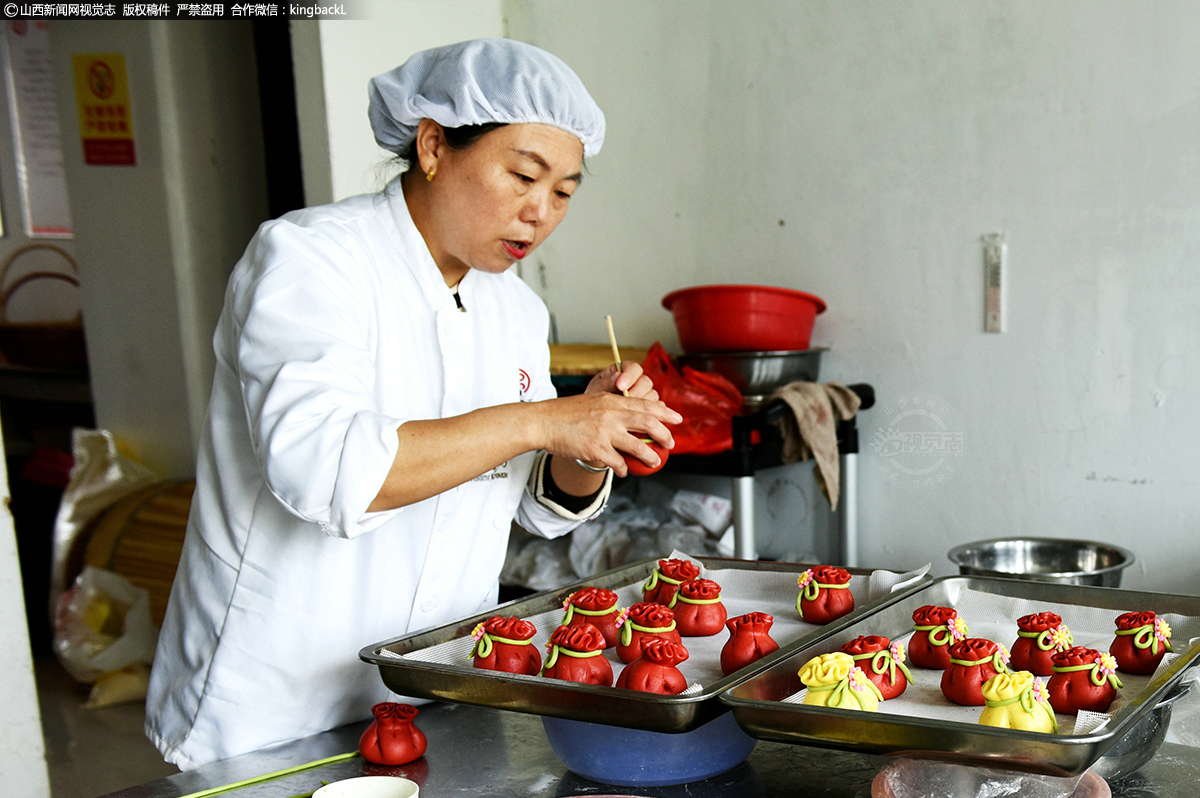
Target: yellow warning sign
[(105, 118)]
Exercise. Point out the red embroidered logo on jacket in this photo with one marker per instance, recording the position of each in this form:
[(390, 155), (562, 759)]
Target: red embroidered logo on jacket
[(523, 379)]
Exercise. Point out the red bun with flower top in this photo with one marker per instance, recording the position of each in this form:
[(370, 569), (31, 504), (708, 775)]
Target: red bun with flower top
[(1039, 637), (1142, 640), (824, 594), (936, 629), (506, 644), (882, 661), (640, 622), (596, 606), (1083, 679)]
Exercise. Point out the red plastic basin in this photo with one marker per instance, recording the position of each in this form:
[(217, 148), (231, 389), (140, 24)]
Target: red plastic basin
[(731, 318)]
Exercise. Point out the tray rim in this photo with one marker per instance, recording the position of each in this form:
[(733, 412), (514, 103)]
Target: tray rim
[(1119, 725), (671, 714)]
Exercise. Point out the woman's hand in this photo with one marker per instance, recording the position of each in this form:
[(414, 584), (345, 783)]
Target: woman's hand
[(629, 381), (599, 425)]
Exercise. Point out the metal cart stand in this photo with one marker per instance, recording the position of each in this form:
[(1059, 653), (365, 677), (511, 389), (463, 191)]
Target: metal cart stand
[(749, 455)]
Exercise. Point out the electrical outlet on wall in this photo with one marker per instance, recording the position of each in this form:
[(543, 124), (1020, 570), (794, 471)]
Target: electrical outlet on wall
[(995, 275)]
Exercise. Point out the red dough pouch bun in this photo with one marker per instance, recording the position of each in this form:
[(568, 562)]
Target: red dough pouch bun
[(596, 606), (640, 622), (935, 630), (1083, 679), (882, 661), (576, 654), (664, 583), (506, 644), (654, 671), (824, 594), (749, 640), (698, 608), (1142, 640), (1039, 637), (392, 739), (972, 662)]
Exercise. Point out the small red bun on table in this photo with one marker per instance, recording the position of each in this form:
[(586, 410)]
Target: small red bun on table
[(392, 738), (594, 605), (639, 469), (749, 641), (664, 583), (576, 654), (643, 621), (1142, 640), (654, 671), (937, 628), (882, 661), (1039, 637), (1083, 679), (824, 594), (506, 644), (972, 662), (698, 608)]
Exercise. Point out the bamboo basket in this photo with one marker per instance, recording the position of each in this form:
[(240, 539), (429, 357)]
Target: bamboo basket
[(140, 537), (41, 344)]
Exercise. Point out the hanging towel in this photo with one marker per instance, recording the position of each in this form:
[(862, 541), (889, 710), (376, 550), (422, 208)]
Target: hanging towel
[(811, 428)]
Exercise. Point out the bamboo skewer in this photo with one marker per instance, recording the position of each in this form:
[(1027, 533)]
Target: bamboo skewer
[(612, 339)]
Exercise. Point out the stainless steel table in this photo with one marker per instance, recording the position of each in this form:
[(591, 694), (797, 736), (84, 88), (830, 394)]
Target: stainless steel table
[(493, 753)]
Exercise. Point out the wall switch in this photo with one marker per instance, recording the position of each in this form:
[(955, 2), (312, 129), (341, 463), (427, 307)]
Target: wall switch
[(994, 278)]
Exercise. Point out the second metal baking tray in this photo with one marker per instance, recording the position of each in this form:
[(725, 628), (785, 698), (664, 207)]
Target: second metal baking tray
[(759, 707), (406, 670)]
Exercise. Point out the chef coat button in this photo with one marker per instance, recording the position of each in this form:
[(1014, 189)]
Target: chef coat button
[(429, 605)]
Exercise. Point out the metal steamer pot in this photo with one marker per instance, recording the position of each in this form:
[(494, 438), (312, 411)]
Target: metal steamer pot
[(1063, 561)]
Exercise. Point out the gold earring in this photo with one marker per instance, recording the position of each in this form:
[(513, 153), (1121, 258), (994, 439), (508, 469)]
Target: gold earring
[(429, 174)]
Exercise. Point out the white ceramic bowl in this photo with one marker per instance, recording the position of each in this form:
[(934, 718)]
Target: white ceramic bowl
[(369, 787)]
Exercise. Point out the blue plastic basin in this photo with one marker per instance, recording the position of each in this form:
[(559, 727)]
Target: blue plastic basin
[(635, 758)]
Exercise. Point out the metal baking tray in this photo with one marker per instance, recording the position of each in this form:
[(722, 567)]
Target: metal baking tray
[(461, 683), (757, 706)]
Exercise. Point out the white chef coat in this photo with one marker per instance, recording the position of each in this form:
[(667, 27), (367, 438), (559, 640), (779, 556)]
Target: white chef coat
[(337, 327)]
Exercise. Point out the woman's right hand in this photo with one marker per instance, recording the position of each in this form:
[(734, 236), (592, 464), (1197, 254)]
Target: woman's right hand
[(597, 426)]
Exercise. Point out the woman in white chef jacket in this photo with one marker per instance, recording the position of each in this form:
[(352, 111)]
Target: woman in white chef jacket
[(382, 410)]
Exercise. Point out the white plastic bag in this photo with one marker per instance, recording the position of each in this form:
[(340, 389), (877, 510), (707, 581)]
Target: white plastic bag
[(100, 477), (103, 626)]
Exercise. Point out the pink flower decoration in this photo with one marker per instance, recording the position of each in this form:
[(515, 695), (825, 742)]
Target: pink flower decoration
[(1162, 630), (957, 629), (1003, 652), (622, 616), (567, 601), (897, 651), (804, 578), (1040, 694), (477, 633), (857, 679), (1062, 638), (1107, 663)]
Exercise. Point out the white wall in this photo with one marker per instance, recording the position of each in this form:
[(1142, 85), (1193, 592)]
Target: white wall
[(335, 59), (157, 241), (22, 752), (859, 150)]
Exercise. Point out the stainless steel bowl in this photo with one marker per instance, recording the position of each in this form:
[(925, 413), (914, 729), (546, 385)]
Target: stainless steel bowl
[(1142, 742), (1068, 562), (758, 374)]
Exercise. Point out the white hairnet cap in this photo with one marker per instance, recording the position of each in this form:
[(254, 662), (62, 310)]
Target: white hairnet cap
[(481, 81)]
